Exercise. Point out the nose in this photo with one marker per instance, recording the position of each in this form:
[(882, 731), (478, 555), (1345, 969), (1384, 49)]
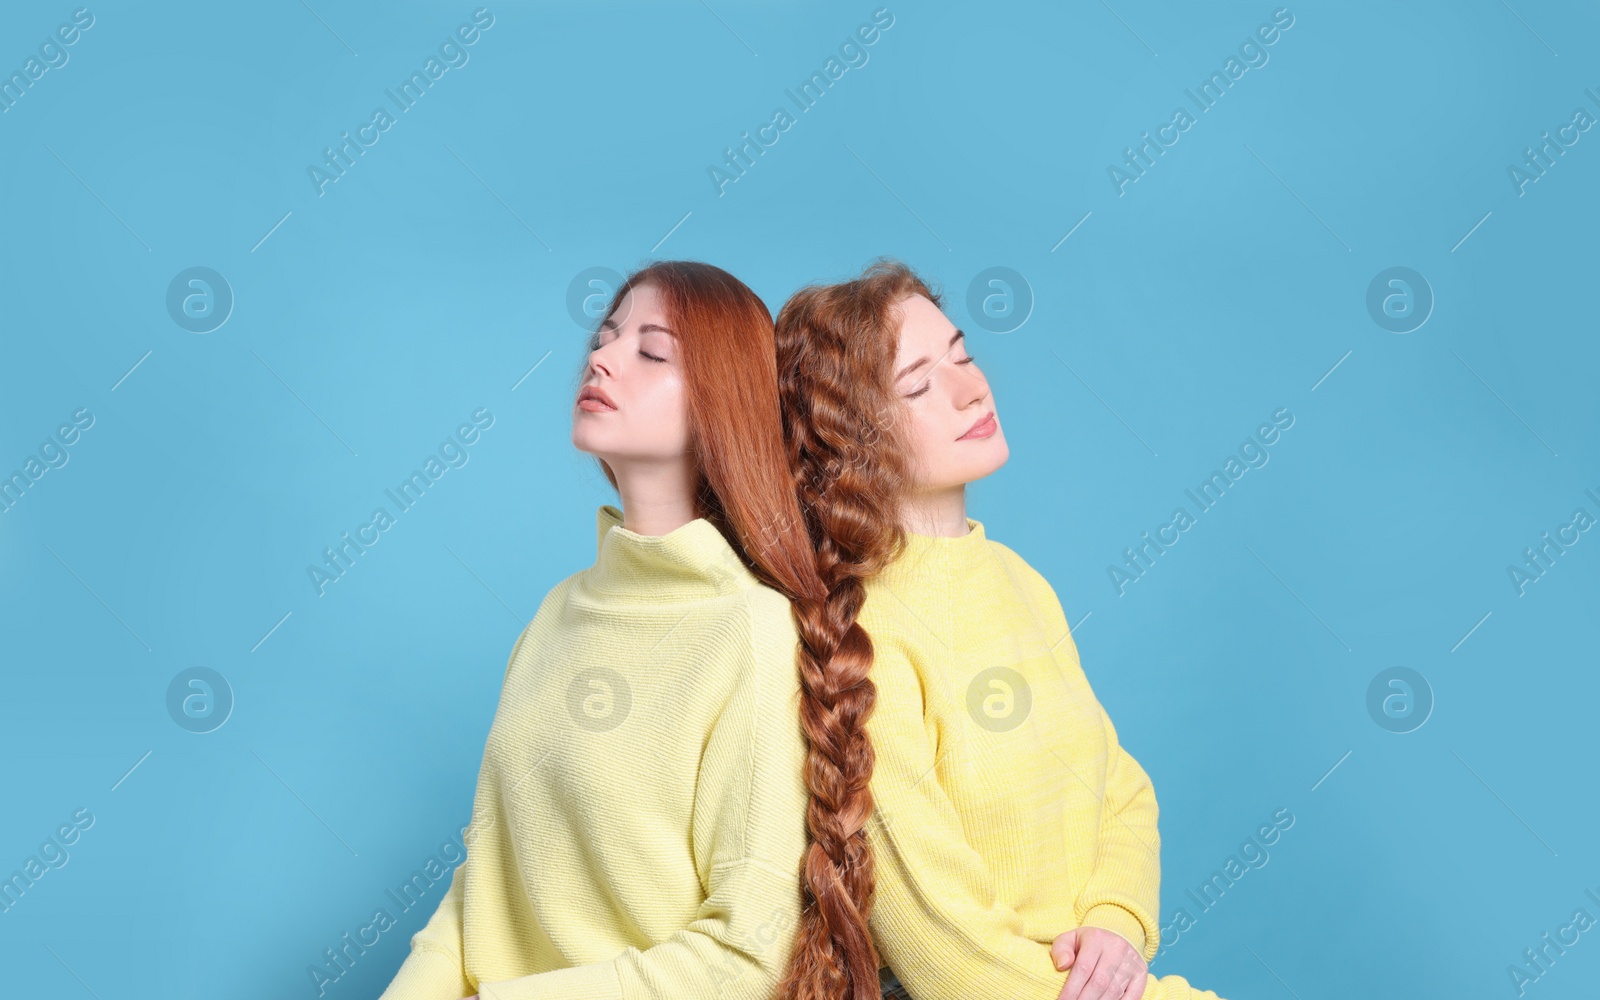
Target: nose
[(597, 359), (974, 389)]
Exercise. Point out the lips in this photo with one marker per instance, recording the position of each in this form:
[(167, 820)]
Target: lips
[(591, 392), (985, 425)]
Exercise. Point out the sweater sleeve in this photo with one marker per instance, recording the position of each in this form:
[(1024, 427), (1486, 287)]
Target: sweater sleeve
[(936, 917), (434, 969), (748, 837), (1123, 893)]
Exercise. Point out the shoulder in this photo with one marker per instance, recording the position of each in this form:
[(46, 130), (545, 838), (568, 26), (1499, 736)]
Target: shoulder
[(766, 608), (756, 617), (748, 680), (543, 618), (770, 636), (1032, 587), (1017, 566)]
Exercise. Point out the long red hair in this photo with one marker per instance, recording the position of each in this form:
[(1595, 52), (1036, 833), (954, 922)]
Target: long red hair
[(745, 485)]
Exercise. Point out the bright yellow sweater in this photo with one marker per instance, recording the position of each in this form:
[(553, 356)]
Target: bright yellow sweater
[(639, 822), (1006, 810)]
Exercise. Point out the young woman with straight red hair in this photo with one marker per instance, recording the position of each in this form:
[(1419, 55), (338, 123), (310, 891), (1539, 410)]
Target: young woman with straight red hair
[(1013, 836), (675, 784)]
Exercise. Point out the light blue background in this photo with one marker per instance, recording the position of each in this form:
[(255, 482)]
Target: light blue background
[(1228, 282)]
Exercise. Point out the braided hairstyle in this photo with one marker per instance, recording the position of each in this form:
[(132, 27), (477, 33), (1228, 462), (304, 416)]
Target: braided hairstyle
[(836, 347)]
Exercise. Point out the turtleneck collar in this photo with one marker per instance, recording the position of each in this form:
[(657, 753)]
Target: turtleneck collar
[(691, 562)]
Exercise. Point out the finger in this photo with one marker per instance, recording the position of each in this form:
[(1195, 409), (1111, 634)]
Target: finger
[(1134, 971), (1103, 983), (1088, 980), (1120, 984), (1065, 949), (1137, 987), (1075, 977), (1117, 963)]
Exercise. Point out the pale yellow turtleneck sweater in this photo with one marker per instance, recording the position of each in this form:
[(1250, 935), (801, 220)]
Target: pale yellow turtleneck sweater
[(1006, 810), (639, 823)]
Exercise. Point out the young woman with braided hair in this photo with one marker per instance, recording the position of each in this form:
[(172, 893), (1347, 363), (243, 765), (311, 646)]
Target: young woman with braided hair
[(675, 784), (1013, 837)]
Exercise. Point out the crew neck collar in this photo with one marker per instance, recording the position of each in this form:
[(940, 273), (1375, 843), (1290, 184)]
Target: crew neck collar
[(972, 539), (692, 561), (925, 551)]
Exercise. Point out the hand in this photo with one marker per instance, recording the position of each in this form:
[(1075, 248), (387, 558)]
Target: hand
[(1105, 965)]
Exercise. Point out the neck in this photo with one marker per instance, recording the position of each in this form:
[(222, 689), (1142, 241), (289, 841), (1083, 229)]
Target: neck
[(941, 513), (657, 497)]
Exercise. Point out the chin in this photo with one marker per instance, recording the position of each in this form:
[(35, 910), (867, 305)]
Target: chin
[(991, 461), (584, 442)]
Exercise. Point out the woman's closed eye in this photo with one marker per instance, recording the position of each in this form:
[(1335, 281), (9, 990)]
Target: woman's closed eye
[(929, 384)]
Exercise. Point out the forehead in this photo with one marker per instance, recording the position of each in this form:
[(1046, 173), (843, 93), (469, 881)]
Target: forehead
[(922, 325), (640, 305), (644, 294)]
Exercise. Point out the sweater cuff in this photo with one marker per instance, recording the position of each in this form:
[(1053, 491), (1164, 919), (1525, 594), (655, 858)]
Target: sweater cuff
[(1111, 917), (428, 974)]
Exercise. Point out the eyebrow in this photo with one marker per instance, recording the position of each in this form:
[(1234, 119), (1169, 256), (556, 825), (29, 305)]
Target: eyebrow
[(913, 366), (611, 324)]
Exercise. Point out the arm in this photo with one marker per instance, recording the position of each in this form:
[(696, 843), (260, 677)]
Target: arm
[(434, 970), (935, 917), (1123, 893), (734, 948), (748, 836)]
